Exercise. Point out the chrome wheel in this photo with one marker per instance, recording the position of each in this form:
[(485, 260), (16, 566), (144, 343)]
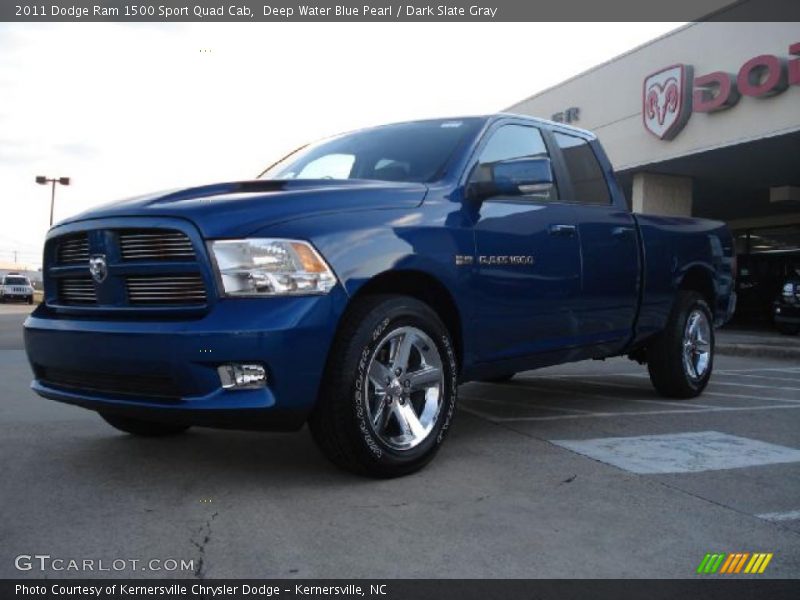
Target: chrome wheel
[(697, 345), (405, 388)]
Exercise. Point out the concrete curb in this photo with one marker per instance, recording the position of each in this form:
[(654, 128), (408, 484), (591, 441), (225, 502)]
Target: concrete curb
[(759, 350)]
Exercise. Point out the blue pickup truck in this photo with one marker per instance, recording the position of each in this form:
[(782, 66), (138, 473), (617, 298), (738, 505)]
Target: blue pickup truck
[(358, 281)]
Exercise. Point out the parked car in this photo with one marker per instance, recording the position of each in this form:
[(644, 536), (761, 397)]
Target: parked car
[(787, 308), (759, 281), (362, 278), (16, 287)]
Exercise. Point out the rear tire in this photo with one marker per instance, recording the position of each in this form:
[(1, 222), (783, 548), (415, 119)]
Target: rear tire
[(389, 392), (681, 358), (141, 427)]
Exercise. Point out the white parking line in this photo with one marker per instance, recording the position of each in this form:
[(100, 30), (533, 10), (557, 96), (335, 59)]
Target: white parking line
[(770, 377), (786, 369), (790, 515), (690, 452), (643, 388), (588, 381), (478, 413), (628, 413), (751, 385), (747, 397), (714, 381), (525, 405), (598, 396)]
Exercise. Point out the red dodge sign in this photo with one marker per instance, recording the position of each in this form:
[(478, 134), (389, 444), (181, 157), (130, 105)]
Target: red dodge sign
[(671, 95)]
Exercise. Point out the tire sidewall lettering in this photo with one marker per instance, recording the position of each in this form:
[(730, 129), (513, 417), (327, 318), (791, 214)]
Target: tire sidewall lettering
[(452, 390), (359, 391)]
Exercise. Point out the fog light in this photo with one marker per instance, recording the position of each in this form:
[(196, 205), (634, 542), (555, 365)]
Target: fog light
[(242, 376)]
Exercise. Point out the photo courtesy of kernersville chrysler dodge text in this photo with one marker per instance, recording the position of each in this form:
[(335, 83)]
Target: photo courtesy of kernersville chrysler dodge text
[(359, 280)]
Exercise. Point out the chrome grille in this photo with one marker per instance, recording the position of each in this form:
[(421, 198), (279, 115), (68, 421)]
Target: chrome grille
[(155, 244), (182, 289), (77, 290), (73, 249)]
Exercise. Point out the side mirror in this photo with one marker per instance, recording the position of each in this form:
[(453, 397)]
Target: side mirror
[(515, 177)]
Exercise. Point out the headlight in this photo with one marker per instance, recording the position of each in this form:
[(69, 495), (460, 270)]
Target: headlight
[(269, 267)]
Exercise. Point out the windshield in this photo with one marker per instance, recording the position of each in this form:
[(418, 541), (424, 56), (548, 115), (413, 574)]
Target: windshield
[(16, 281), (407, 152)]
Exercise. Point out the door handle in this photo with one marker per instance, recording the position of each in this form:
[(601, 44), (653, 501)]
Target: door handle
[(562, 230), (622, 232)]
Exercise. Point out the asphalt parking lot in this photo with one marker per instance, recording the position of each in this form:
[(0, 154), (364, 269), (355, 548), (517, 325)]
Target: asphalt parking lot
[(574, 471)]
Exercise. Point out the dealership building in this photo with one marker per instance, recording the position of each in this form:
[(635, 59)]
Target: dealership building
[(703, 121)]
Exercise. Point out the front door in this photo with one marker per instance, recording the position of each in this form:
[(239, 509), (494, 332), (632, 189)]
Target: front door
[(527, 264)]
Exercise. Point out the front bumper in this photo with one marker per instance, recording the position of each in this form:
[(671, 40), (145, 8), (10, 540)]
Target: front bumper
[(167, 369)]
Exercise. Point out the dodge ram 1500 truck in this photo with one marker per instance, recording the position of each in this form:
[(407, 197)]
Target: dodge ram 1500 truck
[(358, 281)]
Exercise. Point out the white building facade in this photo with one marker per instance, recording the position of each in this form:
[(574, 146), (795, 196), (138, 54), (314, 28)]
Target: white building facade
[(703, 121)]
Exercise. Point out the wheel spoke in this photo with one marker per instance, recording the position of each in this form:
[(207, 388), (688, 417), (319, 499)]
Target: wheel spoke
[(379, 375), (408, 420), (697, 345), (423, 379), (381, 417), (403, 351)]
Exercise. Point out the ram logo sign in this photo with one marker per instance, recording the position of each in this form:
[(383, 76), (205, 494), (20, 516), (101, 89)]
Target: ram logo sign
[(671, 95), (667, 101)]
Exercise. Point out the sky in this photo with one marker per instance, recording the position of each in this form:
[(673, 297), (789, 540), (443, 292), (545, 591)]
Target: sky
[(125, 109)]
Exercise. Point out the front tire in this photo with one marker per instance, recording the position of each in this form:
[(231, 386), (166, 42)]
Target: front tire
[(680, 360), (141, 427), (389, 392)]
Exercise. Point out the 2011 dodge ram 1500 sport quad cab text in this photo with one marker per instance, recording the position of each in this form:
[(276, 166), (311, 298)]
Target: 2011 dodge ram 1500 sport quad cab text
[(361, 279)]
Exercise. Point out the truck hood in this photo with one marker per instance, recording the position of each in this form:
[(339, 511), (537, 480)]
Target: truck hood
[(238, 209)]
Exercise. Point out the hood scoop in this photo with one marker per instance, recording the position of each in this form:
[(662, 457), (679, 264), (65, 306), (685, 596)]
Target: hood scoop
[(260, 186)]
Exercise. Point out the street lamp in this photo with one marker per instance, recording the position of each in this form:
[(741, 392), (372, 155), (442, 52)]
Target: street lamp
[(42, 180)]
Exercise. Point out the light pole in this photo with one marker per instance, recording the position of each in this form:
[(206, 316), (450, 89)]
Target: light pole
[(42, 180)]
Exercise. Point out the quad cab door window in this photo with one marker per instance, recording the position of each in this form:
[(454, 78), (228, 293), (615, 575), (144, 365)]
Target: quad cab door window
[(515, 155), (607, 233)]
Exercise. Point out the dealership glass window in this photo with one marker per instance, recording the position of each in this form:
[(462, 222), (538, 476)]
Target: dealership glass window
[(510, 142), (742, 242), (768, 254), (588, 182), (774, 239)]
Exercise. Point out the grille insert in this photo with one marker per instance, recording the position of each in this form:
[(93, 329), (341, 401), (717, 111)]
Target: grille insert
[(77, 290), (151, 386), (155, 244), (73, 249), (183, 289)]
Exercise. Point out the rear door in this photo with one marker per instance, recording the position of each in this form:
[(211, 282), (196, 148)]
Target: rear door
[(528, 257), (609, 248)]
